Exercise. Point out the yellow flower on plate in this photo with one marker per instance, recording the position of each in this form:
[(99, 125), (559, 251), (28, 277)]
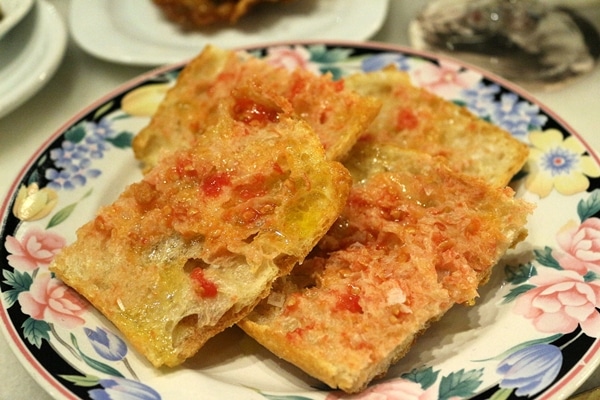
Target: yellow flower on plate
[(558, 163), (143, 101), (33, 203)]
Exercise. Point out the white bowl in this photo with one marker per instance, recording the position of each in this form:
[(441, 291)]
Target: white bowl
[(13, 11)]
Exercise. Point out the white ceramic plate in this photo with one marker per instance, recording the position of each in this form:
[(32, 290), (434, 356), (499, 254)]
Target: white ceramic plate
[(534, 331), (12, 13), (135, 31), (30, 54)]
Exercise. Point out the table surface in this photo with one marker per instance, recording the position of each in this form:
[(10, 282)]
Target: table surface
[(81, 79)]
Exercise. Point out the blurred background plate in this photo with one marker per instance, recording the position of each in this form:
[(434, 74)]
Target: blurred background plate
[(135, 32), (30, 54), (12, 12)]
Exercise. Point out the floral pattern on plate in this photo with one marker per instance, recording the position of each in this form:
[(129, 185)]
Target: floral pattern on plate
[(535, 329)]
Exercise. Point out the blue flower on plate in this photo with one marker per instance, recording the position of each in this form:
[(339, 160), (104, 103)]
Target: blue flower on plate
[(123, 389), (106, 344), (531, 369), (68, 154), (94, 145), (480, 99), (102, 128), (382, 60), (64, 179), (71, 176), (517, 117)]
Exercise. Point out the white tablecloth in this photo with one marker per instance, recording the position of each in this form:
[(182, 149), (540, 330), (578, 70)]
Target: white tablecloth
[(82, 79)]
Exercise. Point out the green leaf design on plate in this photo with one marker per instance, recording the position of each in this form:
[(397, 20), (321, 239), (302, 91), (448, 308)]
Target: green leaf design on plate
[(83, 381), (545, 258), (424, 377), (460, 383), (76, 133), (321, 54), (19, 281), (61, 215), (42, 160), (122, 140), (502, 394), (35, 331), (103, 110), (520, 273), (64, 213), (516, 292), (95, 364), (34, 177), (591, 276), (589, 207)]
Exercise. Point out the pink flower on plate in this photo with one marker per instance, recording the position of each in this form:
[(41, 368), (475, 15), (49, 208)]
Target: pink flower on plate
[(446, 80), (291, 58), (560, 301), (36, 249), (398, 389), (581, 246), (50, 300)]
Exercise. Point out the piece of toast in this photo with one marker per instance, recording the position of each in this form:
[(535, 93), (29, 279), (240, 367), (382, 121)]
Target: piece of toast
[(414, 239), (337, 115), (190, 249), (414, 118), (194, 14)]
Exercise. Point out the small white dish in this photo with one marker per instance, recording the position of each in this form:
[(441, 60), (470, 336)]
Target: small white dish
[(13, 11), (136, 32), (30, 54)]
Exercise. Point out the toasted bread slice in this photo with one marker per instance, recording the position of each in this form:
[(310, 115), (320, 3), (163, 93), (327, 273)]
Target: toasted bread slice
[(414, 118), (194, 14), (337, 115), (190, 249), (412, 241)]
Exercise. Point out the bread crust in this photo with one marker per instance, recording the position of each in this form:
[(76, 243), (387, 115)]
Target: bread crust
[(414, 239), (190, 249)]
